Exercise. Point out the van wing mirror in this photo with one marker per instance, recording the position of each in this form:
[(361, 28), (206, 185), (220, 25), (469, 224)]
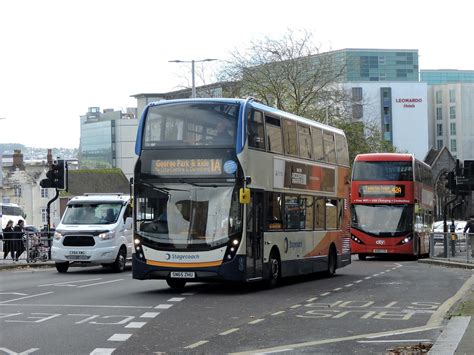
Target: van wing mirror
[(128, 223), (244, 195)]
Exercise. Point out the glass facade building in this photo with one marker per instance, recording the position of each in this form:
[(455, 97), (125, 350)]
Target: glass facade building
[(445, 76), (96, 145), (391, 65)]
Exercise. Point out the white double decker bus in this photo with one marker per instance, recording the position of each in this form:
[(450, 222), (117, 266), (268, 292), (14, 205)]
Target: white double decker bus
[(230, 189)]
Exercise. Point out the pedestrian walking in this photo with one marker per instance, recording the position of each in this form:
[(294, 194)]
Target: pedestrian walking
[(18, 245), (469, 229), (8, 235)]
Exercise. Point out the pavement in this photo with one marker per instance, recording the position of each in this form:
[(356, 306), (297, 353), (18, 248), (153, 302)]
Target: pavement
[(457, 336)]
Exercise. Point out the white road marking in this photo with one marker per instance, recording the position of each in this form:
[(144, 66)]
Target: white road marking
[(396, 341), (13, 293), (358, 281), (349, 285), (25, 297), (274, 352), (74, 305), (11, 352), (195, 345), (102, 351), (149, 314), (312, 299), (164, 306), (100, 283), (227, 332), (277, 313), (256, 321), (334, 340), (325, 293), (367, 278), (119, 337), (295, 306), (68, 282), (135, 325), (374, 275), (176, 299), (338, 289)]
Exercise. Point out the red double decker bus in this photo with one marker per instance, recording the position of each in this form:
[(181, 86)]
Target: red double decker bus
[(392, 205)]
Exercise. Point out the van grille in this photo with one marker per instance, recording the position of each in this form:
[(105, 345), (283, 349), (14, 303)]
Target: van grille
[(79, 241)]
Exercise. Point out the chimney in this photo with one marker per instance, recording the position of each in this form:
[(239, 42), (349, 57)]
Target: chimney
[(49, 158), (18, 159)]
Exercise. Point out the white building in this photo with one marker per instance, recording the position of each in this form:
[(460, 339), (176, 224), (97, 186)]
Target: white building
[(400, 109), (451, 113)]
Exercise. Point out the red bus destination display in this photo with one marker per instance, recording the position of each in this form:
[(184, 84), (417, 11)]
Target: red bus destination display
[(382, 191)]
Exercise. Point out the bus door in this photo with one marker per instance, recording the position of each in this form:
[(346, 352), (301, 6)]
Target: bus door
[(255, 235)]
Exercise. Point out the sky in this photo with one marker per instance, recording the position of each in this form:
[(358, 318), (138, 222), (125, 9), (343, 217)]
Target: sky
[(57, 57)]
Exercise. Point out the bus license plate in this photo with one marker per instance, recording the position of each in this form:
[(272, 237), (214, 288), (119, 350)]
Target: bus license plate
[(380, 251), (183, 274)]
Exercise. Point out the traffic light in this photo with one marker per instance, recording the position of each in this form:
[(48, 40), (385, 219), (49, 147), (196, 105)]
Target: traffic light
[(451, 182), (56, 177)]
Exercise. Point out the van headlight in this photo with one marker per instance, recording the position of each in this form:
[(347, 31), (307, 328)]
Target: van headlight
[(107, 235), (58, 235)]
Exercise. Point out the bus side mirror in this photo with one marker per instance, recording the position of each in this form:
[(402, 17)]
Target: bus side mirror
[(244, 195), (128, 223)]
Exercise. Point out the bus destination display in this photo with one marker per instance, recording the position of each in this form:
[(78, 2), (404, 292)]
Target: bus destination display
[(382, 191), (187, 167)]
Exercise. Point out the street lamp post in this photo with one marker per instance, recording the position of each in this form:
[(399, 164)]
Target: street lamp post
[(193, 89)]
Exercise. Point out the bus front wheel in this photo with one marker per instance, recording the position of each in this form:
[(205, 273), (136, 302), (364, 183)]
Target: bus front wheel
[(176, 283), (274, 269), (362, 256)]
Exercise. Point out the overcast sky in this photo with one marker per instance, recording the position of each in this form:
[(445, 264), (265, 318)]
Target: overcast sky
[(59, 57)]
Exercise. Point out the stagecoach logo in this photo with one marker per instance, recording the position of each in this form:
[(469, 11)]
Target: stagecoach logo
[(292, 245), (181, 257), (230, 166), (380, 242)]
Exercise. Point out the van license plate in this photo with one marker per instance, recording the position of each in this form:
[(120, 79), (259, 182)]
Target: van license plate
[(183, 274)]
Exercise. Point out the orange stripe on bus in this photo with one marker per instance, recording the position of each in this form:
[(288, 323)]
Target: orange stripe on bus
[(182, 265)]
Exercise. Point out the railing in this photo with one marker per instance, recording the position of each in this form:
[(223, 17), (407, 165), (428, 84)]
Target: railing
[(31, 248), (458, 247)]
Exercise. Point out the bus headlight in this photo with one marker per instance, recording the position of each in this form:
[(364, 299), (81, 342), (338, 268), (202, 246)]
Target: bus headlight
[(232, 247), (107, 235), (357, 240), (406, 240)]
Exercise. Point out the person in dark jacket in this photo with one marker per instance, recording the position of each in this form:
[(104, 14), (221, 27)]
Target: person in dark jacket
[(7, 239), (469, 228), (18, 246)]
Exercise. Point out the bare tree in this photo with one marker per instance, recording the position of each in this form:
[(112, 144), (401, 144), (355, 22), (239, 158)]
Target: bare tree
[(291, 74)]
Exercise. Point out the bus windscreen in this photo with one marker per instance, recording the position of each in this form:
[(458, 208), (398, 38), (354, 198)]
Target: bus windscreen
[(191, 124), (383, 171)]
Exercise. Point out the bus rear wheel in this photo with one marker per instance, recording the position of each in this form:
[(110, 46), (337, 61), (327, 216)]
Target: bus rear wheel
[(332, 262), (176, 283)]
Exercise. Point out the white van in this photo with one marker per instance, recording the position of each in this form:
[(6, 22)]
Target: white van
[(94, 229), (11, 211)]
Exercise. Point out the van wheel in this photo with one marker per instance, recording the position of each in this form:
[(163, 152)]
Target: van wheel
[(332, 262), (274, 270), (176, 283), (62, 267), (119, 264)]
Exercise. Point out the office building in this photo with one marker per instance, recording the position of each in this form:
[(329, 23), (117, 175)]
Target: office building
[(108, 140)]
